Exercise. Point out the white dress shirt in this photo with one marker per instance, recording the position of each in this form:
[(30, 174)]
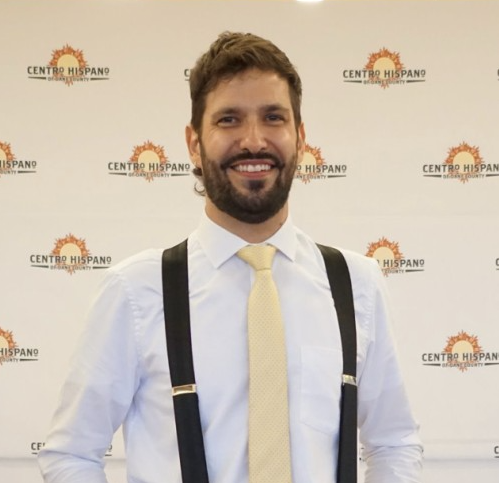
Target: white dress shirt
[(120, 376)]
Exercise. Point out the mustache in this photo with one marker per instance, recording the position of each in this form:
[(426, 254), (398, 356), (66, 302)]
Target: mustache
[(244, 156)]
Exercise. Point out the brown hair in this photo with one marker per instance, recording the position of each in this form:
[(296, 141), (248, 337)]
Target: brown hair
[(231, 54)]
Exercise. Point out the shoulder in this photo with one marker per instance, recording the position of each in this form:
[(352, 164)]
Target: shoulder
[(365, 274), (362, 269), (139, 263), (138, 272)]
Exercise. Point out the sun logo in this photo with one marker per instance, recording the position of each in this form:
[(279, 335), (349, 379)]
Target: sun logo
[(6, 156), (308, 166), (69, 64), (462, 347), (150, 160), (387, 254), (386, 66), (71, 253), (7, 343), (464, 160)]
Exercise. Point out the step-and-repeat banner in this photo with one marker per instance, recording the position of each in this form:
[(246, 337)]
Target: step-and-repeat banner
[(402, 164)]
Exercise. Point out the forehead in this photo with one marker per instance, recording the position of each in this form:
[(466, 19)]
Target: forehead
[(249, 89)]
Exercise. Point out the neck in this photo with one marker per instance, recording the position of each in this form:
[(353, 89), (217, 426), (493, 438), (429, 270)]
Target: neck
[(250, 232)]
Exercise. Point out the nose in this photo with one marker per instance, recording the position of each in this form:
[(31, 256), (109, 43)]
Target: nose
[(253, 138)]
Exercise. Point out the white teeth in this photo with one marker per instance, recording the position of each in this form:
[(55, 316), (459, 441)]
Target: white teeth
[(252, 168)]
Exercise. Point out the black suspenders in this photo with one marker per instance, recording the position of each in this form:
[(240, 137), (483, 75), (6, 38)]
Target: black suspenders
[(178, 342), (185, 399), (341, 289)]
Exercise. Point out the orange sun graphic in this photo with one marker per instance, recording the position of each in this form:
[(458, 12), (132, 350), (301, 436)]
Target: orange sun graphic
[(463, 158), (387, 66), (6, 342), (149, 159), (461, 344), (386, 253), (312, 158), (72, 251), (6, 155), (68, 61)]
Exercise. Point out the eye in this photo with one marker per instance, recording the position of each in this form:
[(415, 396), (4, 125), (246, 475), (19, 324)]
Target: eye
[(227, 120), (275, 118)]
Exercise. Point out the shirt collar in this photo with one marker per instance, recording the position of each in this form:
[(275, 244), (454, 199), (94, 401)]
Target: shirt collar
[(220, 245)]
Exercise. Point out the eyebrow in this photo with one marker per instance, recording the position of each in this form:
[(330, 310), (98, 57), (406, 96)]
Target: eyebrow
[(276, 108)]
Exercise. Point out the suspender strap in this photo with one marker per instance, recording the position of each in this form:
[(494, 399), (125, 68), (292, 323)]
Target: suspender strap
[(178, 341), (341, 289)]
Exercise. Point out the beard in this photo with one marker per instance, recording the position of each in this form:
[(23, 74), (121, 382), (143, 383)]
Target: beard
[(260, 203)]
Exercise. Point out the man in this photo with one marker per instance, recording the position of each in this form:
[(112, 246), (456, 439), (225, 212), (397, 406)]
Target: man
[(245, 140)]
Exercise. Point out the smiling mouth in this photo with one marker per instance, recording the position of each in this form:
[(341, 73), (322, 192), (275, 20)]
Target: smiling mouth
[(246, 162), (252, 168)]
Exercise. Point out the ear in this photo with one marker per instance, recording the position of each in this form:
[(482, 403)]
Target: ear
[(301, 142), (193, 145)]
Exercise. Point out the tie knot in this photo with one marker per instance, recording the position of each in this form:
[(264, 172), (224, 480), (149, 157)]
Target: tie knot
[(258, 256)]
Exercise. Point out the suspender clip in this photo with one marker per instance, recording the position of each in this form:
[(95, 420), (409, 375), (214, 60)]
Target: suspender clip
[(346, 379), (186, 389)]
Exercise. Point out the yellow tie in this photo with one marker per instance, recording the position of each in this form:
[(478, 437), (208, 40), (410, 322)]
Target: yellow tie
[(269, 450)]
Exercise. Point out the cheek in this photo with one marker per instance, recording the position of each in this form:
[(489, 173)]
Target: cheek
[(214, 147), (288, 142)]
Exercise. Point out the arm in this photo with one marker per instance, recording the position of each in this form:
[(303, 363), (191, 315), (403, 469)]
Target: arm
[(97, 394), (388, 432)]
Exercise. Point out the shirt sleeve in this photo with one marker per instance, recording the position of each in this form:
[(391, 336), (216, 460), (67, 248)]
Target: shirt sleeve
[(391, 447), (96, 396)]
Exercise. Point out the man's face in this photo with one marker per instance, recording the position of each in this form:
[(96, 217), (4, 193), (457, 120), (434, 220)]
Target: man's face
[(249, 145)]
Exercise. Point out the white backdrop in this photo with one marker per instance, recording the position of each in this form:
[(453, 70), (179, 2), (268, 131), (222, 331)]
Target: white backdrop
[(400, 105)]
